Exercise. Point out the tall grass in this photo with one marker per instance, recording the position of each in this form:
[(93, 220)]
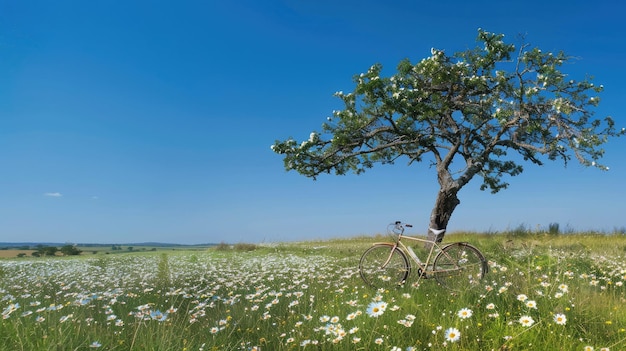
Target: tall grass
[(543, 291)]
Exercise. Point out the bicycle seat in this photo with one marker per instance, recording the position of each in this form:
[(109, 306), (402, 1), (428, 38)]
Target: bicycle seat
[(437, 231)]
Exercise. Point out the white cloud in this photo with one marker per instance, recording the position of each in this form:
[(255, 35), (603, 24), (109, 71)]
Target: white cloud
[(53, 194)]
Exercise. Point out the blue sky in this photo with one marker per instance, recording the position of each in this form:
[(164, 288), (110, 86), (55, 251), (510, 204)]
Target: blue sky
[(132, 121)]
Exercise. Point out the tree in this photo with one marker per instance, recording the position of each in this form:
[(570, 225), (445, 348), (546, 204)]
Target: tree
[(472, 108), (47, 250), (70, 250)]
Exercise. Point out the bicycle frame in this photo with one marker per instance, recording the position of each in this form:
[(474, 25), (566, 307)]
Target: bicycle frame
[(410, 253)]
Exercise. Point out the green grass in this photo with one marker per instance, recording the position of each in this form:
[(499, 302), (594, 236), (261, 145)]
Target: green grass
[(308, 295)]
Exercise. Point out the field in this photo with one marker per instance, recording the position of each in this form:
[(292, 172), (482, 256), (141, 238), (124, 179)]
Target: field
[(13, 253), (100, 249), (543, 292)]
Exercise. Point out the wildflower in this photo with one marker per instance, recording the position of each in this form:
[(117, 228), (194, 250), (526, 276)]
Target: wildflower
[(376, 309), (158, 315), (356, 340), (522, 297), (10, 309), (491, 306), (560, 319), (526, 321), (588, 348), (39, 319), (140, 308), (464, 313), (406, 323), (452, 334), (95, 344), (531, 304), (378, 341), (65, 318)]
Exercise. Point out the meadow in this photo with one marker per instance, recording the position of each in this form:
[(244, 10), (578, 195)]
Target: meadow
[(546, 292)]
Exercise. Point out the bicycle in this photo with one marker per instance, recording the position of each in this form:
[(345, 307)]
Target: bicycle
[(457, 266)]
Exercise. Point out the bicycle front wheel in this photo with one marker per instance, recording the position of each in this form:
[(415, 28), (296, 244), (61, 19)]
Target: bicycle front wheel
[(384, 266), (459, 267)]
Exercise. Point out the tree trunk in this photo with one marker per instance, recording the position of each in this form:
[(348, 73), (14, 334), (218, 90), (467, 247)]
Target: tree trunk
[(445, 204)]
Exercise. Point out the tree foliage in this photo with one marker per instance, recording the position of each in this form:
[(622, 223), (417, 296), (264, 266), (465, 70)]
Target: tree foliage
[(47, 250), (473, 108), (70, 250)]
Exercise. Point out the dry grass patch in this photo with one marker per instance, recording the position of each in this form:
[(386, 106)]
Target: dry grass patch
[(13, 253)]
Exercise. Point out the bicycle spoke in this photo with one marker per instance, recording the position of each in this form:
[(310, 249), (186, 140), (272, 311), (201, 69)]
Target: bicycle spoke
[(459, 267), (384, 266)]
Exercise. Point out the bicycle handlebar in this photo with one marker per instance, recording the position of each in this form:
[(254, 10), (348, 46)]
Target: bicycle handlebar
[(397, 227)]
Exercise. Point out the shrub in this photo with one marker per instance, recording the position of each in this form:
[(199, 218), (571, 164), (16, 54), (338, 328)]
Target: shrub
[(520, 230), (553, 229), (245, 247), (222, 246)]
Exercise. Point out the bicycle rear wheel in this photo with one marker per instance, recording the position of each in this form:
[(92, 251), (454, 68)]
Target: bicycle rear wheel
[(459, 267), (384, 266)]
